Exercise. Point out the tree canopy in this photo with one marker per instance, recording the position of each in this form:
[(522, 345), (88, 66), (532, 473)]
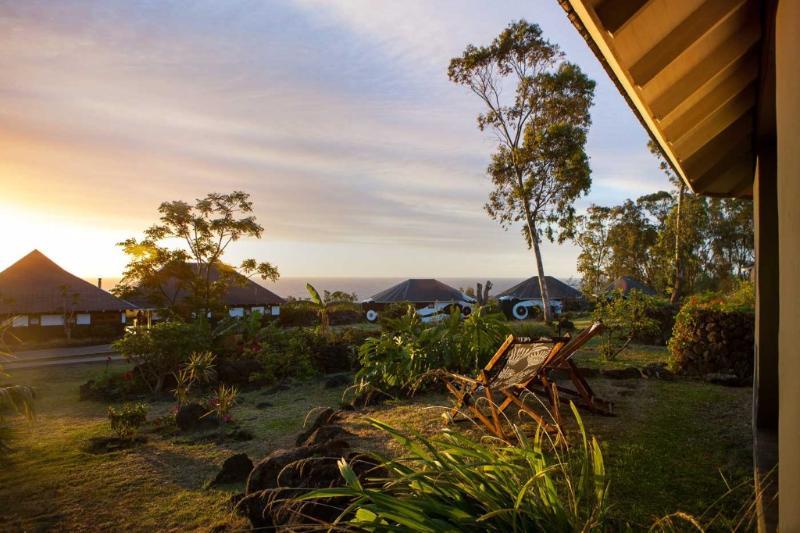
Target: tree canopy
[(540, 166), (204, 231)]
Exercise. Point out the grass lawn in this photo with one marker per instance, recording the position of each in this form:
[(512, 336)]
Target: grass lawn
[(666, 450)]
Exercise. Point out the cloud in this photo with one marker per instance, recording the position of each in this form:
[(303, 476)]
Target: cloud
[(337, 117)]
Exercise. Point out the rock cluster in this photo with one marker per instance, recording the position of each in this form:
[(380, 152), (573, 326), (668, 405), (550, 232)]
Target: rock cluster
[(283, 475), (709, 341)]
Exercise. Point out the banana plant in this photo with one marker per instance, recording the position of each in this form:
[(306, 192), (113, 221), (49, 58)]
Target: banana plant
[(322, 307)]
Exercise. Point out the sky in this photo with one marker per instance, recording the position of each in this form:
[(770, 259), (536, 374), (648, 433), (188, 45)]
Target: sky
[(361, 157)]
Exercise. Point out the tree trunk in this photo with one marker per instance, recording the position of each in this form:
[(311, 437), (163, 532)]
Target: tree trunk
[(479, 293), (678, 282), (539, 266), (486, 289)]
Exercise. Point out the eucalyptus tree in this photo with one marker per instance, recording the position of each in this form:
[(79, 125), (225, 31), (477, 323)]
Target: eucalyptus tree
[(592, 239), (204, 231), (540, 166)]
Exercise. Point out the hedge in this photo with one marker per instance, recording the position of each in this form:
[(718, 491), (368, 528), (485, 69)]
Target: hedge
[(709, 337)]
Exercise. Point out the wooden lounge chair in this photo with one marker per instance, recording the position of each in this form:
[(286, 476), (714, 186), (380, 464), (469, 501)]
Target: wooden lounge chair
[(520, 366)]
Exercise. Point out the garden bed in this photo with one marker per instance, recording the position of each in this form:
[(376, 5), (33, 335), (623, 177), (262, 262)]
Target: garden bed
[(662, 453)]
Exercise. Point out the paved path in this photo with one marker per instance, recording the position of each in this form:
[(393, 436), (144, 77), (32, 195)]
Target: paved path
[(62, 356)]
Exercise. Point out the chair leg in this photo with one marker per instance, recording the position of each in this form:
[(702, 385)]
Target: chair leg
[(486, 422), (536, 416), (493, 409), (585, 391)]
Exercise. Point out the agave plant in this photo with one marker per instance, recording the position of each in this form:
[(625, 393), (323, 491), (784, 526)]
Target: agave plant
[(454, 483)]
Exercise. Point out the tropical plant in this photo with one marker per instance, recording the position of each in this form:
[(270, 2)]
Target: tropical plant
[(455, 483), (199, 369), (321, 305), (222, 403), (540, 166), (160, 350), (126, 420), (408, 349)]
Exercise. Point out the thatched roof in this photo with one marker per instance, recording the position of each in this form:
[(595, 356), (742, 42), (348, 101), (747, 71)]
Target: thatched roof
[(625, 284), (420, 291), (35, 284), (529, 290), (241, 292)]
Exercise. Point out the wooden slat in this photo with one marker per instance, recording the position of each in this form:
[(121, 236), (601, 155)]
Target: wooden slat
[(729, 167), (701, 161), (700, 22), (740, 52), (732, 87), (715, 123), (614, 14)]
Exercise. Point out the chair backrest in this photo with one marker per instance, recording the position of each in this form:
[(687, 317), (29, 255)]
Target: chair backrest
[(574, 344), (520, 359), (521, 362)]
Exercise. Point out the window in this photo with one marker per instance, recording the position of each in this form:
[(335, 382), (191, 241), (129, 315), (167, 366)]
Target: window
[(257, 310), (20, 321), (123, 318), (83, 319), (52, 320), (236, 311), (276, 310)]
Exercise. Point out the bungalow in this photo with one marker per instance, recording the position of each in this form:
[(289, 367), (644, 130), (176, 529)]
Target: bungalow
[(518, 301), (716, 85), (430, 297), (626, 284), (242, 296), (45, 301)]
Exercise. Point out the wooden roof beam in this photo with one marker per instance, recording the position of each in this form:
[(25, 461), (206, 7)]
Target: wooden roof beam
[(736, 157), (695, 26), (705, 158), (713, 125), (739, 92), (721, 62), (614, 14)]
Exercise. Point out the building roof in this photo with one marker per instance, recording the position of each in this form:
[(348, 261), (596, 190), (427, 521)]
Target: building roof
[(35, 284), (625, 284), (245, 292), (420, 291), (691, 71), (529, 289)]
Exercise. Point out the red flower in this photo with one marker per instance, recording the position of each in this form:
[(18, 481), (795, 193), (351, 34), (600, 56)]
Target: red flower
[(127, 376)]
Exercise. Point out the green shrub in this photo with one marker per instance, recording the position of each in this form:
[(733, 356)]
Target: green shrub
[(127, 420), (531, 329), (298, 313), (393, 311), (407, 348), (625, 318), (159, 351), (114, 386), (283, 354), (453, 483), (715, 333)]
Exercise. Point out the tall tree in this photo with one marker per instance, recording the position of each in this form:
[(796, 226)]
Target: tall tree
[(540, 166), (731, 238), (630, 237), (592, 238), (204, 230)]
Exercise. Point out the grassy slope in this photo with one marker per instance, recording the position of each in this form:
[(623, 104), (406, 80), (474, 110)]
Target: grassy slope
[(664, 452), (48, 481)]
